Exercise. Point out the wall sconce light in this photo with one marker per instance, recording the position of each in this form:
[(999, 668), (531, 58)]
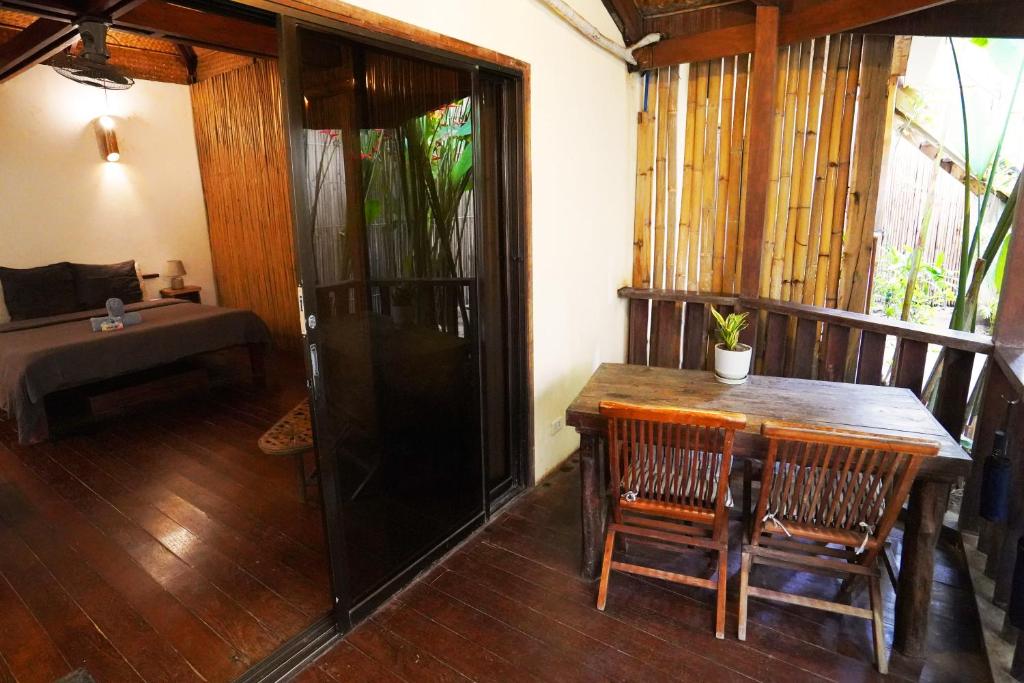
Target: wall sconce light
[(107, 138)]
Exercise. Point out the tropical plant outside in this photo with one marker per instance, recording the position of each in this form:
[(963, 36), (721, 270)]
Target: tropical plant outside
[(931, 292)]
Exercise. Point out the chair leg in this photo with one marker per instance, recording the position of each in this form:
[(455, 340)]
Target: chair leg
[(878, 628), (744, 585), (606, 569), (748, 482), (723, 575)]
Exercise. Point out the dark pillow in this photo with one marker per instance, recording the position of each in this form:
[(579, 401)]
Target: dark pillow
[(97, 283), (39, 292)]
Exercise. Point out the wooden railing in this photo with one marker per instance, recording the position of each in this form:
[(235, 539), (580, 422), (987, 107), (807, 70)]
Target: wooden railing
[(669, 328), (446, 303)]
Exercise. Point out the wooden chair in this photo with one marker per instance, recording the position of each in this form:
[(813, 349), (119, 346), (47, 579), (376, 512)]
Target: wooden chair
[(669, 482), (829, 498)]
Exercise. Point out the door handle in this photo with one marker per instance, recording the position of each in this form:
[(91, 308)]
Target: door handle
[(314, 366)]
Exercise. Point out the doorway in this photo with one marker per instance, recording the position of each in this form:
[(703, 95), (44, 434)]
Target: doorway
[(407, 197)]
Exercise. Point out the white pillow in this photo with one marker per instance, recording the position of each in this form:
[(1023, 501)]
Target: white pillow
[(5, 316)]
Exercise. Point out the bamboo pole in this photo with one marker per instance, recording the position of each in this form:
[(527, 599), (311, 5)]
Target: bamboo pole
[(825, 135), (699, 153), (831, 183), (672, 181), (872, 117), (689, 136), (708, 214), (724, 169), (744, 133), (642, 212), (811, 158), (801, 159), (922, 237), (772, 204), (843, 176), (660, 170), (730, 282), (799, 73)]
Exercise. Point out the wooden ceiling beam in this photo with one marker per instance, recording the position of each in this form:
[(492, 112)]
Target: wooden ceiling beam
[(963, 19), (45, 37), (810, 21), (203, 29), (191, 61), (627, 17), (36, 43)]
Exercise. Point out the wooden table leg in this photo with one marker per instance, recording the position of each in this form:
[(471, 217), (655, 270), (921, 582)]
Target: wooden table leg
[(928, 500), (592, 502)]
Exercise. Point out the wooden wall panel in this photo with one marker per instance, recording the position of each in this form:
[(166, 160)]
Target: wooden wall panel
[(243, 162)]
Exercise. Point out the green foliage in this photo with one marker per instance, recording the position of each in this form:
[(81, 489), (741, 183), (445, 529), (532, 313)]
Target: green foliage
[(729, 328), (930, 293)]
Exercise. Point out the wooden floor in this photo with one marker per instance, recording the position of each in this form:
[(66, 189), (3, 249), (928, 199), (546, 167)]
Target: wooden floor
[(509, 606), (164, 547)]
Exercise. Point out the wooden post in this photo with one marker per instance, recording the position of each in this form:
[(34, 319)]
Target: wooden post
[(924, 522), (593, 503), (759, 143)]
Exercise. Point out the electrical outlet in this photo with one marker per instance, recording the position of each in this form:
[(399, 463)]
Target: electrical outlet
[(556, 426)]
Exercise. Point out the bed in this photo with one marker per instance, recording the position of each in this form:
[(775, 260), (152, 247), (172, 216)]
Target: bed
[(42, 355)]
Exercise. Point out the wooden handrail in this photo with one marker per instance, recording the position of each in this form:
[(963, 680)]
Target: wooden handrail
[(962, 341), (1011, 362)]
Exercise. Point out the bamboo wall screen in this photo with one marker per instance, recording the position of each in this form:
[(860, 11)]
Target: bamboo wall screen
[(828, 141), (243, 164)]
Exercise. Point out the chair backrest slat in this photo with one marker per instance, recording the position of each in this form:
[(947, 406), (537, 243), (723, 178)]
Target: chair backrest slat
[(671, 457), (832, 480)]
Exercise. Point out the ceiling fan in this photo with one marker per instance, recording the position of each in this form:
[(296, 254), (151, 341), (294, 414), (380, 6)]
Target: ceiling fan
[(90, 67)]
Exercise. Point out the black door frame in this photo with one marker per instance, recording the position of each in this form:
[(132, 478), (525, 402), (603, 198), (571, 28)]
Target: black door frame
[(515, 313)]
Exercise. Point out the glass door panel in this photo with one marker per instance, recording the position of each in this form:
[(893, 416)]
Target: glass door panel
[(387, 240)]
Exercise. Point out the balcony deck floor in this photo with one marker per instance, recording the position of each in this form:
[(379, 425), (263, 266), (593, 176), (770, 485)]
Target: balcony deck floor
[(509, 605)]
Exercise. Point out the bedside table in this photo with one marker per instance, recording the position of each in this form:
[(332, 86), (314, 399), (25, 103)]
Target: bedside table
[(190, 293)]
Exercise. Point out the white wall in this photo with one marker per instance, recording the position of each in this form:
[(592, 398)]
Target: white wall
[(583, 141), (61, 202)]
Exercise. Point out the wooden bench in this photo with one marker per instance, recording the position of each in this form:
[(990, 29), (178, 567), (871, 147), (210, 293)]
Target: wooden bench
[(292, 435)]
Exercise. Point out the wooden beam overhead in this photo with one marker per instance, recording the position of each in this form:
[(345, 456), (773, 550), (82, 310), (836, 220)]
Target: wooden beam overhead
[(39, 41), (626, 16), (45, 37), (190, 59), (963, 19), (760, 107), (810, 21), (204, 29)]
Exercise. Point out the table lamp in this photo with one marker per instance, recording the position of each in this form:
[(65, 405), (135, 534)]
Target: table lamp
[(175, 271)]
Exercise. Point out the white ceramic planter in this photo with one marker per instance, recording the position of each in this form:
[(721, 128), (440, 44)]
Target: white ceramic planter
[(732, 367)]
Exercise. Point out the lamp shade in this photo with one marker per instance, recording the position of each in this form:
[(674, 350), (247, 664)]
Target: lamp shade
[(175, 268)]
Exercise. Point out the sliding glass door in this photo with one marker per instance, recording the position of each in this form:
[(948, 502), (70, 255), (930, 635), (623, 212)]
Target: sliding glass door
[(405, 333)]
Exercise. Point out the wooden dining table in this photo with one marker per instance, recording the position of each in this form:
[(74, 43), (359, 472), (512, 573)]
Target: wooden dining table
[(880, 410)]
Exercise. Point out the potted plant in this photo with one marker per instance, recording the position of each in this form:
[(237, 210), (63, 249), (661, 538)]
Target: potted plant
[(732, 359)]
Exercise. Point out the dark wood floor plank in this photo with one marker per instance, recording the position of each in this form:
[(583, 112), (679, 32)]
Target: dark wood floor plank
[(148, 652), (179, 579), (29, 653), (190, 464), (400, 656), (270, 609), (604, 628), (609, 662), (478, 664), (77, 637), (344, 662), (144, 458), (530, 652), (213, 657), (689, 627)]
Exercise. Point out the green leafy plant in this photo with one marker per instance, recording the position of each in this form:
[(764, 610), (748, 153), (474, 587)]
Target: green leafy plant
[(930, 293), (729, 327)]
